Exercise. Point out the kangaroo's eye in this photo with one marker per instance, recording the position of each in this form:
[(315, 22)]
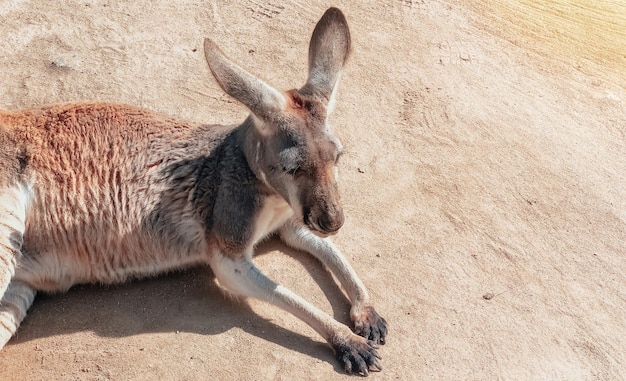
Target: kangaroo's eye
[(292, 170)]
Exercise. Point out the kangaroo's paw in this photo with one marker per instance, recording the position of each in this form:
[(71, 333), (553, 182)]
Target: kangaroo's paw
[(369, 324), (356, 354)]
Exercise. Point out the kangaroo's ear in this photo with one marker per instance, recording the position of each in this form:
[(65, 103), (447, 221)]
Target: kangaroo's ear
[(263, 100), (328, 52)]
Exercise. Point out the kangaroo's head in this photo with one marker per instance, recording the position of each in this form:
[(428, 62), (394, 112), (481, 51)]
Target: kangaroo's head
[(291, 147)]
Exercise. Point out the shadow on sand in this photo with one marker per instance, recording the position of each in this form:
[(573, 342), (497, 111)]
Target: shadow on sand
[(186, 301)]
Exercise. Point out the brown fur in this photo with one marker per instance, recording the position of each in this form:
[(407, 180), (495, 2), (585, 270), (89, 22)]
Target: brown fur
[(96, 170)]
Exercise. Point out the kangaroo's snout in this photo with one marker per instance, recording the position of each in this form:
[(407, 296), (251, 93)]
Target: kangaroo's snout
[(331, 222), (324, 218)]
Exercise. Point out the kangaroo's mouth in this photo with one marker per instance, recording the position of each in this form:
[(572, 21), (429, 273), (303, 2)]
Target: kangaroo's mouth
[(320, 233)]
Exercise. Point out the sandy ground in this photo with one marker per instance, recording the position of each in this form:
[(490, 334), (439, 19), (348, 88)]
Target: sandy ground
[(483, 182)]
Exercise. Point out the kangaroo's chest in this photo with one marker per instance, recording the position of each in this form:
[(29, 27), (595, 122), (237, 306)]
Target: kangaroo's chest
[(271, 216)]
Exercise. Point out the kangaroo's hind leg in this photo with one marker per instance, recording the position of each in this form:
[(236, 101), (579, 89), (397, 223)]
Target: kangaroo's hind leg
[(12, 226), (13, 306), (15, 297)]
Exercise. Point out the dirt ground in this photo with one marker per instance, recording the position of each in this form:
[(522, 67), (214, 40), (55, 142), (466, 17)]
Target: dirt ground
[(484, 185)]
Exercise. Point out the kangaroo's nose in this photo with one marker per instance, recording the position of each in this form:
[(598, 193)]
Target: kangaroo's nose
[(331, 223)]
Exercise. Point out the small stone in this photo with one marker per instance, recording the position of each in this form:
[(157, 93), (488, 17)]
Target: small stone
[(60, 63)]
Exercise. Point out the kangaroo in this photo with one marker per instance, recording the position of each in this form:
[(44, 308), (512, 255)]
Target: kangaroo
[(105, 193)]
